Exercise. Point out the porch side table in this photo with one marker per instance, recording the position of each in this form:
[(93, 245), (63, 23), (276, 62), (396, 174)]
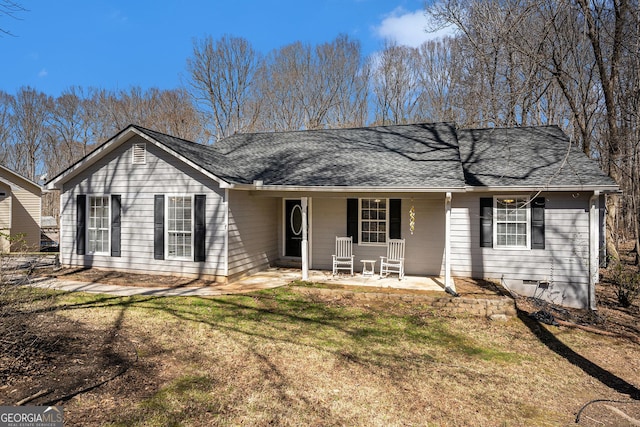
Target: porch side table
[(368, 267)]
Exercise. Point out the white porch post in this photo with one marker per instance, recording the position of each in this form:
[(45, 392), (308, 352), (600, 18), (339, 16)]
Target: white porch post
[(305, 240), (594, 249), (448, 282)]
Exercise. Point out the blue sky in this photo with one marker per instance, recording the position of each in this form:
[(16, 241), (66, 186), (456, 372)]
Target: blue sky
[(117, 44)]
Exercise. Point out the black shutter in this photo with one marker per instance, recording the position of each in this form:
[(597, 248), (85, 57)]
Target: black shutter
[(486, 222), (115, 224), (537, 223), (200, 228), (352, 219), (158, 227), (395, 219), (81, 223)]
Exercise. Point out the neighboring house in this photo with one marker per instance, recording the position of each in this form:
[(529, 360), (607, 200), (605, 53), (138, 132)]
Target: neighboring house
[(518, 205), (50, 234), (20, 207)]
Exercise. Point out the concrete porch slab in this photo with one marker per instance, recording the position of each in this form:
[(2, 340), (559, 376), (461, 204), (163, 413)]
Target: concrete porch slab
[(418, 283)]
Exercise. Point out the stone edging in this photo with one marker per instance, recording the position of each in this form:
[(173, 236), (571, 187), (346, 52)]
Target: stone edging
[(499, 308)]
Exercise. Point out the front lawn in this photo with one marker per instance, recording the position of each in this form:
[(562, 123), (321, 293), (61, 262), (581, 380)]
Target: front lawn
[(277, 357)]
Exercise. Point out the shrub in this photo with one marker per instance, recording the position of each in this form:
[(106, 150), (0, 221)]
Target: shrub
[(626, 280)]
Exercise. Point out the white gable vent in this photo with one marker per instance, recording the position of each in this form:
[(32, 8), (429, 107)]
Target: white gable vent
[(139, 156)]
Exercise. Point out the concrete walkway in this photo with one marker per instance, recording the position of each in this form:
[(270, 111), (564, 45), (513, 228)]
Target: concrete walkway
[(270, 278), (258, 281)]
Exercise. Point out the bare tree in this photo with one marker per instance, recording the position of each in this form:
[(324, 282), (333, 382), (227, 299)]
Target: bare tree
[(6, 102), (330, 86), (279, 73), (577, 48), (395, 85), (221, 78), (32, 110), (70, 128), (438, 68)]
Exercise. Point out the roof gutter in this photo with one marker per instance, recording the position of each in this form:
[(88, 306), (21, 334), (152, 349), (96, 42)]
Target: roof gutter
[(259, 186), (603, 189)]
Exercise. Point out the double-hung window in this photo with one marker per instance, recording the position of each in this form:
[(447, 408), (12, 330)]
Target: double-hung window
[(512, 222), (179, 227), (98, 226), (373, 220)]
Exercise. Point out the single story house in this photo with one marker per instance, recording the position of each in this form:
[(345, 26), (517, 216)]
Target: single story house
[(20, 207), (519, 205)]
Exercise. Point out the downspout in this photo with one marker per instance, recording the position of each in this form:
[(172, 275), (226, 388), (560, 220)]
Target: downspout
[(60, 257), (226, 234), (449, 285), (305, 239), (594, 247)]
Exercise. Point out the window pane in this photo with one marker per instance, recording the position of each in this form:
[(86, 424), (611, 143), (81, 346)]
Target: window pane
[(373, 220), (179, 226), (511, 222), (98, 224)]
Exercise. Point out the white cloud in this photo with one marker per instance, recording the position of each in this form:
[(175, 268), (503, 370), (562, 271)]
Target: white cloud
[(119, 17), (43, 73), (408, 28)]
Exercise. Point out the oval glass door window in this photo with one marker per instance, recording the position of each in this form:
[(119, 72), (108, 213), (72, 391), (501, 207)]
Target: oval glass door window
[(296, 220)]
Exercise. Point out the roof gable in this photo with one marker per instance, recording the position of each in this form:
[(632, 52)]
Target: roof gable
[(14, 179), (196, 155)]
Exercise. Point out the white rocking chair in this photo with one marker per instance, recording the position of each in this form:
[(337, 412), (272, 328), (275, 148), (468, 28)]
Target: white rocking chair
[(343, 258), (394, 261)]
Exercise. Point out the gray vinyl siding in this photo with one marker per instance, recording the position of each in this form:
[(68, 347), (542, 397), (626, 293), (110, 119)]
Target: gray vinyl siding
[(137, 185), (424, 250), (25, 208), (20, 213), (253, 232), (564, 262)]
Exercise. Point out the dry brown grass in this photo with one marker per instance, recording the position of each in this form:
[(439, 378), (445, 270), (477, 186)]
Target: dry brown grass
[(278, 358)]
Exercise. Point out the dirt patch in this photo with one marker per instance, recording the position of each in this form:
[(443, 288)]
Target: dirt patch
[(48, 359)]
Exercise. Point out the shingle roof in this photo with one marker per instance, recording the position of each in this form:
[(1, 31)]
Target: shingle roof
[(201, 155), (426, 156), (538, 156), (418, 155)]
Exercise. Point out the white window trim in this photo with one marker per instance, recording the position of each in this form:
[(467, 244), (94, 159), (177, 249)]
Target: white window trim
[(88, 222), (360, 242), (527, 208), (166, 226)]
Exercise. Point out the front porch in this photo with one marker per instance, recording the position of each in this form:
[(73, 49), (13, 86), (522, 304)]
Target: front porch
[(416, 283)]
